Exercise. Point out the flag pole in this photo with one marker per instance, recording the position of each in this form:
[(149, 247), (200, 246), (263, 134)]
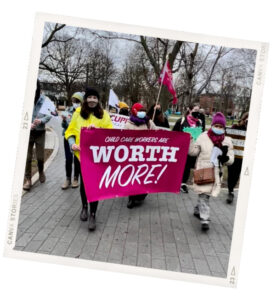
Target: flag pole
[(159, 90)]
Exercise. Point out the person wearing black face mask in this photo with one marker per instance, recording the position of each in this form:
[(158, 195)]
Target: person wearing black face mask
[(37, 138), (159, 120), (189, 120)]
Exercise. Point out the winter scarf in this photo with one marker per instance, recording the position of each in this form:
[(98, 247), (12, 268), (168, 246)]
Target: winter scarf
[(192, 121), (216, 139), (139, 121)]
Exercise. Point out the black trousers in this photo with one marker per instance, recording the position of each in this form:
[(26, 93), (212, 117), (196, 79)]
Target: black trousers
[(69, 158), (92, 205), (234, 173), (190, 163)]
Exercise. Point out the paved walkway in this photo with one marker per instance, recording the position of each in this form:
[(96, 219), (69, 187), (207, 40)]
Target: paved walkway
[(162, 233)]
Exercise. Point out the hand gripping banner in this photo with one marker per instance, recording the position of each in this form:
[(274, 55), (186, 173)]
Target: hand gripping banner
[(118, 163)]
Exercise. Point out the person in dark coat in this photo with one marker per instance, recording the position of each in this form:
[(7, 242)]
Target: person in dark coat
[(235, 169), (160, 119), (188, 120)]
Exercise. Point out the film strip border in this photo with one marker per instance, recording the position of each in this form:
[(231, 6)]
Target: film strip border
[(238, 138)]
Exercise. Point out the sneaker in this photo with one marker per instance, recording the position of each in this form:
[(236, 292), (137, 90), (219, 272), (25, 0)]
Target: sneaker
[(84, 214), (92, 222), (230, 198), (27, 185), (42, 177), (75, 183), (184, 188), (66, 184)]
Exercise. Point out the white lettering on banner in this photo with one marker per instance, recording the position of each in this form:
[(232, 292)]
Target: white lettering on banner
[(109, 178), (130, 177), (139, 174), (137, 153), (110, 139), (102, 154), (167, 153), (152, 150), (150, 174), (125, 153)]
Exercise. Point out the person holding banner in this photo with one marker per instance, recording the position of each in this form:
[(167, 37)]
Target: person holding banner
[(235, 169), (189, 120), (212, 149), (37, 138), (159, 120), (138, 121), (89, 115), (77, 99)]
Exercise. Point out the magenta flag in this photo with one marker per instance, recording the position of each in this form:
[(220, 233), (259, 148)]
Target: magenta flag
[(118, 163), (166, 78)]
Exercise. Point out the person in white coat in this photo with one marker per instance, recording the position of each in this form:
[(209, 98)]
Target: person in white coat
[(211, 142)]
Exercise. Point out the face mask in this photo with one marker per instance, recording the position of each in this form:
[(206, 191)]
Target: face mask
[(141, 114), (75, 105), (217, 131)]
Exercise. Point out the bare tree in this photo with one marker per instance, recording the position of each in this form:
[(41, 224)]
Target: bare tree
[(64, 62), (51, 36)]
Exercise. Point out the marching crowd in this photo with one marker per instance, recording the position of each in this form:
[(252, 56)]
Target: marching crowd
[(207, 154)]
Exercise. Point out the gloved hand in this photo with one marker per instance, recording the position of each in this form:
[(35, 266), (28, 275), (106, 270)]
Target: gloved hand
[(224, 157), (224, 150)]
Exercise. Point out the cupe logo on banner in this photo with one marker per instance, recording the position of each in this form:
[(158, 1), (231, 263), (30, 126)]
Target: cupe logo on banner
[(117, 163)]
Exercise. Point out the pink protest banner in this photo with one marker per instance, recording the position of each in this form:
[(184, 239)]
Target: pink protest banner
[(118, 163)]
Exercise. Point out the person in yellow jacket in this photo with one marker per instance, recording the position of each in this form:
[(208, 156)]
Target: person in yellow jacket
[(89, 115)]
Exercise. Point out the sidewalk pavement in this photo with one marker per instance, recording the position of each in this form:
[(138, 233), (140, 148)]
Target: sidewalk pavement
[(161, 234)]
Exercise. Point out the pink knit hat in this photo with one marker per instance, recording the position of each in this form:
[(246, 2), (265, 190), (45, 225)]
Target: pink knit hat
[(219, 118)]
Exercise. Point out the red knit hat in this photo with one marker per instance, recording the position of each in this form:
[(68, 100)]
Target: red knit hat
[(136, 107), (219, 118)]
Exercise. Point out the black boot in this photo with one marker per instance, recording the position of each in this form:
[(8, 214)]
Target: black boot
[(131, 203), (84, 213), (92, 222), (205, 226), (230, 198), (184, 188)]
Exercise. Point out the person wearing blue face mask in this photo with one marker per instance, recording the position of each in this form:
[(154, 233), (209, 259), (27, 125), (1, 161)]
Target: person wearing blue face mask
[(212, 149), (138, 121)]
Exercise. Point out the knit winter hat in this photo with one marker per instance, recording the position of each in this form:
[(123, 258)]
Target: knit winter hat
[(219, 118), (122, 104), (136, 107), (91, 92), (79, 96)]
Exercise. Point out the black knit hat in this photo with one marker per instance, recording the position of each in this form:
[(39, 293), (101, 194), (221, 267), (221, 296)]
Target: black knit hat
[(91, 92)]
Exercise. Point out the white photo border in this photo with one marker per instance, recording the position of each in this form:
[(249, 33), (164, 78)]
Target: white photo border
[(247, 166)]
